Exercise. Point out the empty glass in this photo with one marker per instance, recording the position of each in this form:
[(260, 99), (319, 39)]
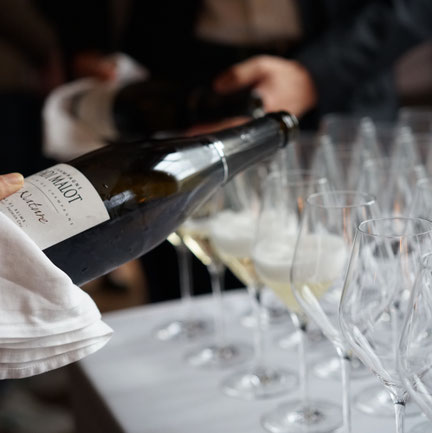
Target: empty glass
[(416, 119), (380, 276), (392, 182), (188, 326), (346, 142), (421, 205)]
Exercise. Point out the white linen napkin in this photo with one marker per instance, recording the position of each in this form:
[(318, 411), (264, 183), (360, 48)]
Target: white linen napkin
[(69, 133), (45, 320)]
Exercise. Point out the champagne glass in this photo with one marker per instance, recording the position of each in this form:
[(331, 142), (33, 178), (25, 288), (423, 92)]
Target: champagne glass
[(421, 205), (346, 142), (189, 326), (381, 272), (416, 119), (392, 182), (301, 158), (414, 126), (296, 156), (283, 203), (232, 235), (423, 145), (195, 233), (414, 354), (319, 265), (342, 127)]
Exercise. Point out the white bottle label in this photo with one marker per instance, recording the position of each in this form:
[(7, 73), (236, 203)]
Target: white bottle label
[(55, 204)]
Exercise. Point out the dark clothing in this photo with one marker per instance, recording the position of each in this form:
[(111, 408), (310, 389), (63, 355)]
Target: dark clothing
[(26, 45), (20, 133), (416, 15)]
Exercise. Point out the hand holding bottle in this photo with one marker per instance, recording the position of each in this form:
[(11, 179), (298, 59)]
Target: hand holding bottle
[(131, 196), (282, 84)]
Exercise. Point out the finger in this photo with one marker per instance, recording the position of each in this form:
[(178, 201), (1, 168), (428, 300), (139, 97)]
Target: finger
[(10, 183), (241, 75)]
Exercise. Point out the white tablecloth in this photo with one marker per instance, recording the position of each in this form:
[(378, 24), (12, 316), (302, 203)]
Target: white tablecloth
[(147, 387)]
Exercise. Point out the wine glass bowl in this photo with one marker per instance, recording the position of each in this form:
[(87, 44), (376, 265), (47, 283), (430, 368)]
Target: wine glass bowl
[(345, 144), (392, 182), (322, 252)]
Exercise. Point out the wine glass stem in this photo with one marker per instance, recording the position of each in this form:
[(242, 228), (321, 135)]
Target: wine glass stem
[(399, 408), (395, 312), (301, 325), (185, 273), (257, 307), (216, 271), (346, 388)]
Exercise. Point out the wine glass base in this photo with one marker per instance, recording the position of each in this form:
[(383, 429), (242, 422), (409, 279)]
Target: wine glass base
[(293, 417), (271, 316), (259, 383), (376, 401), (215, 356), (183, 330), (424, 427), (330, 368)]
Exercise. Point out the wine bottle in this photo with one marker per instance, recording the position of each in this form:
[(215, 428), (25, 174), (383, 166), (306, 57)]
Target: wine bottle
[(114, 204), (142, 108)]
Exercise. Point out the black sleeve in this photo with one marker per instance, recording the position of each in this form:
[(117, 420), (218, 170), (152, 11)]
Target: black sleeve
[(80, 24), (354, 51), (416, 15)]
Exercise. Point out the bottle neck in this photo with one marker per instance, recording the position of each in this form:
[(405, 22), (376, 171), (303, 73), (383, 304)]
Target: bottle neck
[(247, 144)]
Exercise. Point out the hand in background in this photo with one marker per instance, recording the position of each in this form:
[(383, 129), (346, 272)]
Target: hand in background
[(10, 183), (282, 84)]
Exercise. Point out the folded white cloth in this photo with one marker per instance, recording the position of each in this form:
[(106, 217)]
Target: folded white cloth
[(45, 320), (68, 133)]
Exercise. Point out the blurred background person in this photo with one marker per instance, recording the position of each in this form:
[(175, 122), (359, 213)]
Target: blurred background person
[(339, 55), (30, 68)]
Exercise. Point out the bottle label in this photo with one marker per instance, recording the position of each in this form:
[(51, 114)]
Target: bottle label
[(55, 204)]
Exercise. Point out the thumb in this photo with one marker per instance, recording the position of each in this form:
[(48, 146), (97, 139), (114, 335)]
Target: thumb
[(10, 183), (240, 75)]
